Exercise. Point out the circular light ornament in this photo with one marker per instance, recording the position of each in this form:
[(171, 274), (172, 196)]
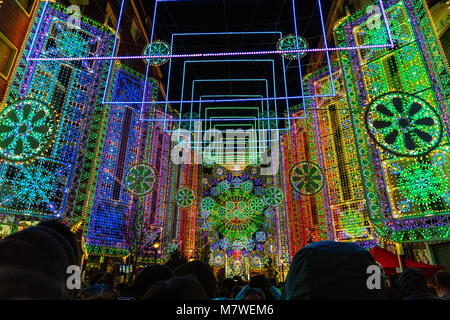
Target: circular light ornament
[(187, 119), (291, 42), (253, 172), (27, 128), (206, 181), (157, 48), (257, 261), (224, 186), (352, 223), (404, 124), (140, 179), (422, 183), (208, 204), (256, 205), (221, 212), (218, 259), (272, 248), (185, 197), (34, 185), (247, 186), (306, 178), (273, 196), (219, 172), (229, 205)]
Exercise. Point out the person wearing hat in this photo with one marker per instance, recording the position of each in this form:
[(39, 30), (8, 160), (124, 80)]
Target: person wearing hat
[(327, 270), (34, 262)]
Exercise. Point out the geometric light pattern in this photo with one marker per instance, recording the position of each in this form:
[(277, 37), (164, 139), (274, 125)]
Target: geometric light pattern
[(422, 183), (34, 185), (306, 178), (26, 130), (158, 48), (352, 222), (185, 197), (404, 124), (140, 179), (273, 196), (290, 42)]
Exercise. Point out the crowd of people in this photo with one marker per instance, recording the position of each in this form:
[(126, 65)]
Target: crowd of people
[(34, 261)]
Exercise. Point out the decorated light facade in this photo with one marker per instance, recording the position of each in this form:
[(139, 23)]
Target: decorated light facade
[(47, 115), (365, 157), (335, 138), (399, 115)]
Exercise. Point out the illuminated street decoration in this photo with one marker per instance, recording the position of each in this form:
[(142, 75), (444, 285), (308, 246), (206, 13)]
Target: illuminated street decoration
[(70, 44), (253, 171), (219, 172), (399, 115), (34, 185), (273, 196), (422, 183), (342, 187), (352, 222), (208, 204), (132, 163), (306, 178), (140, 179), (185, 197), (218, 259), (26, 130), (404, 124), (290, 42), (271, 248), (157, 48), (238, 266), (257, 261), (368, 157), (236, 217), (47, 116), (256, 204)]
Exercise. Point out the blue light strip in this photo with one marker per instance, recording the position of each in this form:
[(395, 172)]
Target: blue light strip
[(390, 45), (258, 118), (28, 58), (226, 61), (302, 91), (236, 80), (114, 52)]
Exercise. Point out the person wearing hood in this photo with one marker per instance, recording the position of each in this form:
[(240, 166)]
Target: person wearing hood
[(204, 274), (327, 270), (413, 285), (34, 263)]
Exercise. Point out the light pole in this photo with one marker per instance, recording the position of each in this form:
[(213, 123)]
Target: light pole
[(156, 245)]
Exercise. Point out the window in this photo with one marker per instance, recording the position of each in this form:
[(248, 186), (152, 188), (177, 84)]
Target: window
[(26, 5), (445, 40), (7, 55), (134, 31)]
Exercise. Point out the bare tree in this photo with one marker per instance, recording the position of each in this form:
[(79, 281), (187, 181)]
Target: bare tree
[(138, 238)]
